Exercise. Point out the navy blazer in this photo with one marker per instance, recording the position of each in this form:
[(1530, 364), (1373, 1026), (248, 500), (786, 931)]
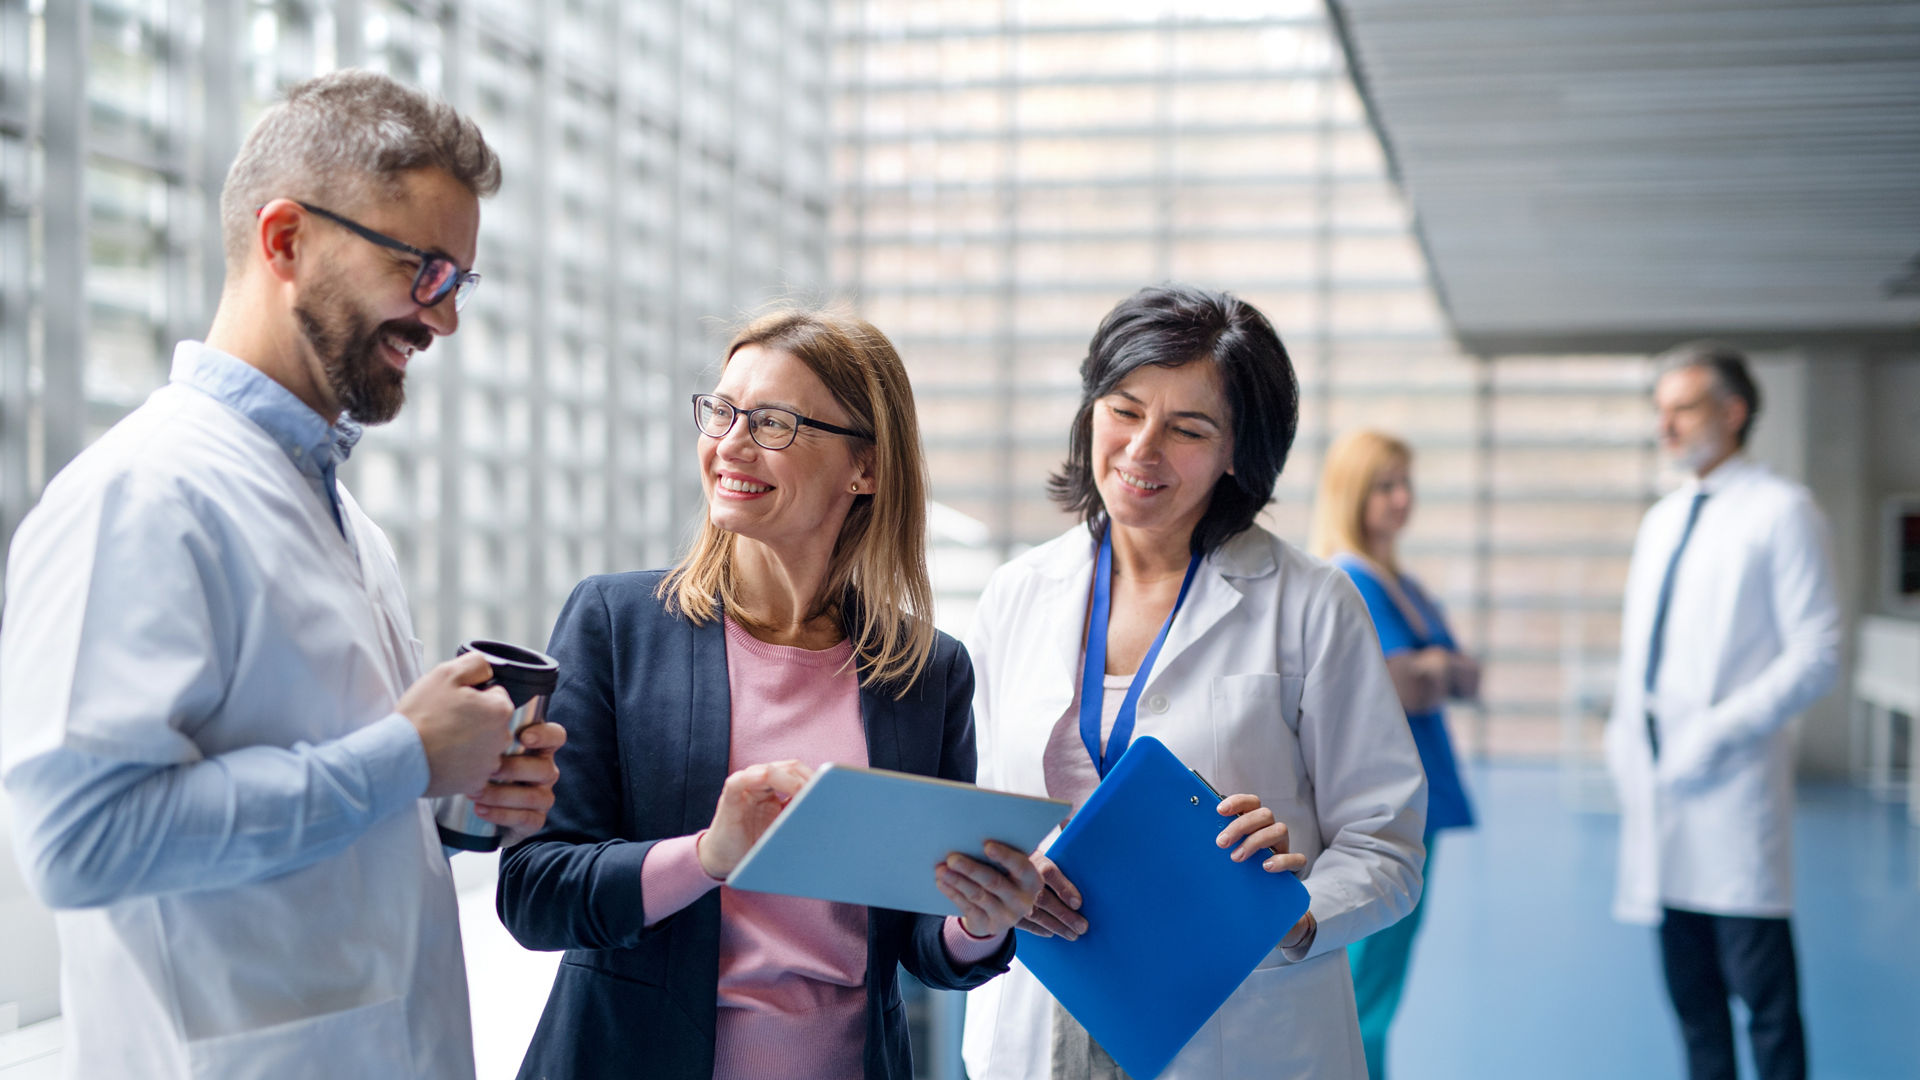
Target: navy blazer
[(645, 701)]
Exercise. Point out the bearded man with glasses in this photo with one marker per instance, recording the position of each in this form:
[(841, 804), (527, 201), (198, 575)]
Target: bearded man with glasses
[(216, 725)]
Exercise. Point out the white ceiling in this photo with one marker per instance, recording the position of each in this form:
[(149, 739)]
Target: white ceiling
[(1593, 174)]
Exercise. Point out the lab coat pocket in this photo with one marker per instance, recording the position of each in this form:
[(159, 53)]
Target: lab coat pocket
[(369, 1042), (1293, 1023), (1256, 728)]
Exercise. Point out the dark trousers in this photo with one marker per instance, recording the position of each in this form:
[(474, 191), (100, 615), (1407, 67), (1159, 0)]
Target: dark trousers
[(1708, 957)]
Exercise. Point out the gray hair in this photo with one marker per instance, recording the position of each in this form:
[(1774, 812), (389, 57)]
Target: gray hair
[(1730, 375), (345, 136)]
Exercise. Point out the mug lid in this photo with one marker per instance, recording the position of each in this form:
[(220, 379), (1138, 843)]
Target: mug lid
[(516, 667)]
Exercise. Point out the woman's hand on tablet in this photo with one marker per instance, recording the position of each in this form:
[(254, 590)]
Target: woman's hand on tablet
[(749, 802), (992, 896)]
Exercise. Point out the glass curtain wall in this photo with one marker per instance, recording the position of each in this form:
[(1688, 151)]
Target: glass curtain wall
[(666, 169), (1006, 170), (998, 173)]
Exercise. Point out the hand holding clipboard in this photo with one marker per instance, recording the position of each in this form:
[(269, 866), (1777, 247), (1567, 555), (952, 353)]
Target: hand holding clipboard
[(1170, 923), (1056, 912), (1257, 829)]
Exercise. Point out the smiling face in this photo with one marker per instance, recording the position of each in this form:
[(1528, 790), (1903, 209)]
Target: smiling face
[(356, 310), (1161, 441), (792, 499), (1389, 503)]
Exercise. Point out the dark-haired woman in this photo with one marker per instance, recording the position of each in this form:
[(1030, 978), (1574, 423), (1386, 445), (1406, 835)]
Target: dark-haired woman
[(1269, 681)]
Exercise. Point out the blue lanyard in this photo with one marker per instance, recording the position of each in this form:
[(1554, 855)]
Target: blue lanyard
[(1092, 682)]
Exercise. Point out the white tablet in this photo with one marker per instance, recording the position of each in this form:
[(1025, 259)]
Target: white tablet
[(873, 837)]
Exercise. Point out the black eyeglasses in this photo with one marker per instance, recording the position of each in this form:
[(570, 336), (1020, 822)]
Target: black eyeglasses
[(437, 277), (771, 428)]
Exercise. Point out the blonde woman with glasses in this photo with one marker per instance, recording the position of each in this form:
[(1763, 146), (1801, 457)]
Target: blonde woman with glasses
[(798, 630), (1366, 499)]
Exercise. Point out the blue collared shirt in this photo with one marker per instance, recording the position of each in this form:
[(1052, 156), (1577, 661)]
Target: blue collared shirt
[(316, 448)]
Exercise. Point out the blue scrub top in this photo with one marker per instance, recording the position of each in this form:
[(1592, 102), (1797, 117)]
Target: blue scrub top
[(1447, 806)]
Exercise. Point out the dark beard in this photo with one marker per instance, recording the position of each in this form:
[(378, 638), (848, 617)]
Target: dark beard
[(368, 388)]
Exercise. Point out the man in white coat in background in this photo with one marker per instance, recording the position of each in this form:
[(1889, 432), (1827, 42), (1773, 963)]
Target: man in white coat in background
[(214, 723), (1730, 631)]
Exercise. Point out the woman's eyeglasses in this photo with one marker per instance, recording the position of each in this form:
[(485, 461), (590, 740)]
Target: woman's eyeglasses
[(771, 428)]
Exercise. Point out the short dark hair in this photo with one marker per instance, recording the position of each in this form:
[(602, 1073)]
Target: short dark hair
[(1730, 375), (1169, 326)]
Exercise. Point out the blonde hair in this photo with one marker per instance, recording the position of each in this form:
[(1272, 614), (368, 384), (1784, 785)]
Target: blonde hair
[(879, 560), (1353, 464)]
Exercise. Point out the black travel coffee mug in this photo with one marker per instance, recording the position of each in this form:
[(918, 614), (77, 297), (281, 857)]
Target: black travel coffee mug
[(528, 678)]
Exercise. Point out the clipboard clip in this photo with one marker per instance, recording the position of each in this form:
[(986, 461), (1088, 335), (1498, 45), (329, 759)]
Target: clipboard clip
[(1217, 797)]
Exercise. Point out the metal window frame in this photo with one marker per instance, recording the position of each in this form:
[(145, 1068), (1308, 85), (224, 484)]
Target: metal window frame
[(1007, 363), (628, 496)]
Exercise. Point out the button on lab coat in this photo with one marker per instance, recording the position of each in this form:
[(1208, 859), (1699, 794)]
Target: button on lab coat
[(180, 593), (1752, 638), (1271, 682)]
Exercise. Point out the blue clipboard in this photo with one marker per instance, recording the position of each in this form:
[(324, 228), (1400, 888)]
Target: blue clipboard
[(1174, 925)]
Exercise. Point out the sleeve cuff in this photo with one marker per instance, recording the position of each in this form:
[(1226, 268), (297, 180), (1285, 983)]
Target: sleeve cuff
[(1297, 953), (963, 948), (671, 877), (390, 751)]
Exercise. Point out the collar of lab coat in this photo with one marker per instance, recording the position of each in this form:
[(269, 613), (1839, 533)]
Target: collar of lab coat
[(312, 444), (1729, 473), (1223, 581)]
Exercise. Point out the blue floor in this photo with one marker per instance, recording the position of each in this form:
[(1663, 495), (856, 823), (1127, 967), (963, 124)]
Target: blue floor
[(1520, 972)]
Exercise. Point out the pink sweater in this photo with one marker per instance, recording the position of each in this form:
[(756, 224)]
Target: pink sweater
[(793, 972)]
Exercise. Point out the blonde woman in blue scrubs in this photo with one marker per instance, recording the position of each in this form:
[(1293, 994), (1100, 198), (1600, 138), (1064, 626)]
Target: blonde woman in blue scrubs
[(1366, 497)]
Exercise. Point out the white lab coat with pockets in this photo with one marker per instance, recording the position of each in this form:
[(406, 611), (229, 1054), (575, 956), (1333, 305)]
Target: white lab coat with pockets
[(1752, 638), (191, 596), (1270, 682)]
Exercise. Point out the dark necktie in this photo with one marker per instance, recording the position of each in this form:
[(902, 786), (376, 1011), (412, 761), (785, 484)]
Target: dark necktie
[(1660, 618)]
